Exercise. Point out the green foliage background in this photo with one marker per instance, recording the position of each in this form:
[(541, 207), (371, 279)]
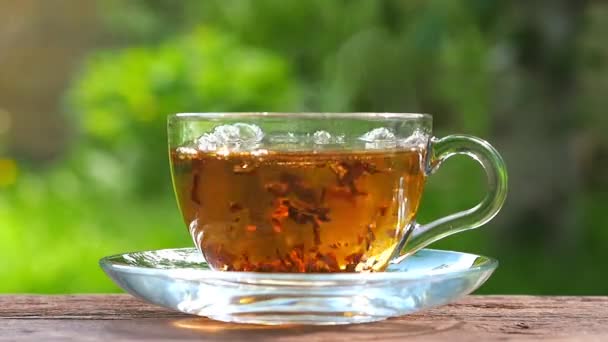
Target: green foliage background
[(481, 67)]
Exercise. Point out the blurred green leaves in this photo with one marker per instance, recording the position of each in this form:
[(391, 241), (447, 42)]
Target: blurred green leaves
[(123, 97), (111, 192)]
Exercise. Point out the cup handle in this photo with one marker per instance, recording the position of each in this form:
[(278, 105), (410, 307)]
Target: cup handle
[(441, 149)]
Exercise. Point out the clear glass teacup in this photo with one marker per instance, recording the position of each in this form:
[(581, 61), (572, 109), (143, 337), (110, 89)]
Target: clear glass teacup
[(316, 192)]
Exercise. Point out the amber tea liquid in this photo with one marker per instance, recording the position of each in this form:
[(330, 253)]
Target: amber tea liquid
[(343, 211)]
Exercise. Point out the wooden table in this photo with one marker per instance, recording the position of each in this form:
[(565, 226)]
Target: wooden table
[(479, 318)]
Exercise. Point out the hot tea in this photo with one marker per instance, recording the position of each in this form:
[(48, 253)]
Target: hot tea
[(298, 211), (316, 192)]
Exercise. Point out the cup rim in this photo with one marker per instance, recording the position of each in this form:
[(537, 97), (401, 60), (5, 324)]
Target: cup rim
[(304, 115)]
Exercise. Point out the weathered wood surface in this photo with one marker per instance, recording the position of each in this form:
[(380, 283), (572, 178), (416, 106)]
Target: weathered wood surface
[(480, 318)]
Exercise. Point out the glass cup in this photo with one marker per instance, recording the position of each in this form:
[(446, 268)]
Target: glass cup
[(316, 192)]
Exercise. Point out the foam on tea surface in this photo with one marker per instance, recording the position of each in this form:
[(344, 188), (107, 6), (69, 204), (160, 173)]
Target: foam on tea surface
[(241, 137), (288, 202)]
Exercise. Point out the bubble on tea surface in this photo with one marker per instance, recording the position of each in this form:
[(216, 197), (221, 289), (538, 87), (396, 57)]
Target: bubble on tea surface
[(379, 138), (322, 138), (378, 134), (418, 138), (207, 142), (235, 136), (238, 132), (186, 152)]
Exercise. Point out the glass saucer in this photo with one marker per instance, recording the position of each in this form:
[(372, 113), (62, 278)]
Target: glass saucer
[(180, 279)]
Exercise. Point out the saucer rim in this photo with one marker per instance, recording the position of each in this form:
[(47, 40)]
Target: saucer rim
[(109, 263)]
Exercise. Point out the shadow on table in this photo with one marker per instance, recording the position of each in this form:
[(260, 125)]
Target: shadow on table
[(195, 328), (390, 329)]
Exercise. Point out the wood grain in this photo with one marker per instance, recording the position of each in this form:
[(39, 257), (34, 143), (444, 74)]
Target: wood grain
[(482, 318)]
